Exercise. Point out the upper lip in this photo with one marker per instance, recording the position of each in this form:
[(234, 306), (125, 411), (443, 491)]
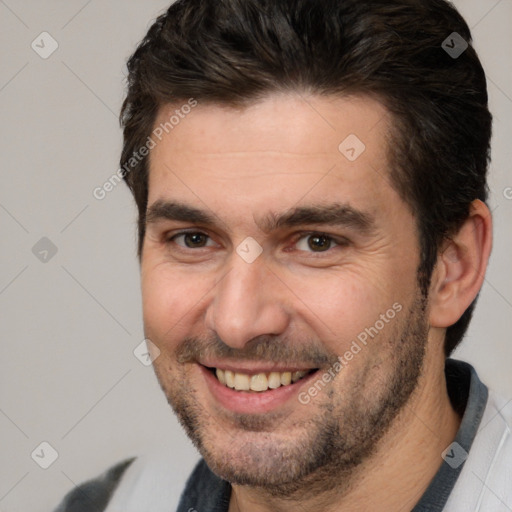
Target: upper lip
[(253, 367)]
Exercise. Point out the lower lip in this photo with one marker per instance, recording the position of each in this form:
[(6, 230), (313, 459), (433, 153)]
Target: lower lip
[(250, 402)]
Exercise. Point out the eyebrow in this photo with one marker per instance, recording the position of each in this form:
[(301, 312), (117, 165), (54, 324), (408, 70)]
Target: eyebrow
[(170, 210), (336, 214), (340, 215)]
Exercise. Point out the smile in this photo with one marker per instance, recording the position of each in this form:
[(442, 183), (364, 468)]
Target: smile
[(259, 382)]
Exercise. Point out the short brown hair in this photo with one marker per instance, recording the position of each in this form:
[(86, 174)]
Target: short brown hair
[(232, 52)]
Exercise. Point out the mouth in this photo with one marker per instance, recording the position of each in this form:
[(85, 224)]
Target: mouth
[(259, 382), (255, 388)]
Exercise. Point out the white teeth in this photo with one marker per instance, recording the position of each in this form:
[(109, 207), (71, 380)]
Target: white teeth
[(220, 376), (286, 378), (274, 380), (230, 378), (242, 382), (259, 381), (297, 375)]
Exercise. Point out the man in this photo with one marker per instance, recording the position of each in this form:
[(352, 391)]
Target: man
[(311, 184)]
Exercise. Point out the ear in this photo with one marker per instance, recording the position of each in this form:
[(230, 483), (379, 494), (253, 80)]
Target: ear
[(460, 269)]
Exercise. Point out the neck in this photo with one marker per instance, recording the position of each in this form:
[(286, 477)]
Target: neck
[(401, 468)]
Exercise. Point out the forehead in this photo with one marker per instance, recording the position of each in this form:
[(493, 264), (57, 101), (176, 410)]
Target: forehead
[(280, 122), (273, 152)]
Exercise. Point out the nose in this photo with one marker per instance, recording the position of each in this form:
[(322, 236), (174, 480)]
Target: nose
[(249, 301)]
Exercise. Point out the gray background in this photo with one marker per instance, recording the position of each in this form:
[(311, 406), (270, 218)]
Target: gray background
[(69, 325)]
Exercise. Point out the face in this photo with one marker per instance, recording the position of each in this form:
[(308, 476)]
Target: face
[(279, 260)]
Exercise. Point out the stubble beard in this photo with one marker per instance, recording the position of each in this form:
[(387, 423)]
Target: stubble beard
[(315, 455)]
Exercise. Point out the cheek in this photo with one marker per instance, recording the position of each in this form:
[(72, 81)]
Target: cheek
[(170, 301), (339, 307)]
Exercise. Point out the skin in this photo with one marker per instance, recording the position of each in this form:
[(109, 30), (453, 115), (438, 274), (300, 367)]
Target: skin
[(372, 439)]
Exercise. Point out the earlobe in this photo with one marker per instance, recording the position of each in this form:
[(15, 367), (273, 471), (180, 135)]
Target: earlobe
[(460, 269)]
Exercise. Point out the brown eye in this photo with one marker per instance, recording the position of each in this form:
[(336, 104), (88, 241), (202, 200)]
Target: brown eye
[(319, 243), (316, 242), (195, 240)]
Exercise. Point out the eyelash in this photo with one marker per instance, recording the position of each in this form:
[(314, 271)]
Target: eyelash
[(338, 241)]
